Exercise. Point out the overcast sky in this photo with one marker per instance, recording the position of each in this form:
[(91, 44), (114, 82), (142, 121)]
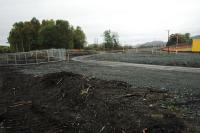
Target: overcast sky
[(135, 21)]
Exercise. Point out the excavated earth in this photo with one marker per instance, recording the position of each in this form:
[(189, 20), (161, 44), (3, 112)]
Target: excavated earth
[(65, 102)]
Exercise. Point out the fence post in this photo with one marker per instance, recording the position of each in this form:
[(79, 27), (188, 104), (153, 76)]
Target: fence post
[(36, 57), (68, 57), (19, 57), (176, 51), (15, 58), (53, 54), (7, 58), (136, 50), (48, 55), (25, 58), (60, 57)]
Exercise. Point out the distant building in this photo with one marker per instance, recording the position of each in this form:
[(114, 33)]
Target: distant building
[(196, 45)]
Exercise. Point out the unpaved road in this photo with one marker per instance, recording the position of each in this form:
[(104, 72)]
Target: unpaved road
[(183, 85), (180, 82), (84, 59), (164, 59)]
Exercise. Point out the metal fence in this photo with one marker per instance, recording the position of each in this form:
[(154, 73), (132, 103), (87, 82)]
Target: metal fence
[(33, 57)]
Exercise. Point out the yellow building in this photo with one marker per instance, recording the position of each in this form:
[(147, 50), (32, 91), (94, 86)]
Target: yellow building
[(196, 45)]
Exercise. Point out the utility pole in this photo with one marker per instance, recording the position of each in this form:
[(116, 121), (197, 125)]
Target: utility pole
[(176, 43), (97, 40), (168, 31), (177, 40)]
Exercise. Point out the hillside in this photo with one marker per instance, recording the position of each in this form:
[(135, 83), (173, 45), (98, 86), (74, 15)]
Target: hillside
[(196, 37), (152, 44)]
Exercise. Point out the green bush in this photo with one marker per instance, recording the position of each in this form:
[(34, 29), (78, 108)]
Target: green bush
[(5, 49)]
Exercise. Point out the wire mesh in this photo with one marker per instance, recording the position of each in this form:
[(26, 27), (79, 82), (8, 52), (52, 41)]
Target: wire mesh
[(33, 57)]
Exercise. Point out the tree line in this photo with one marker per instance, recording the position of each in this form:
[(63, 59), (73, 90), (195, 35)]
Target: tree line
[(111, 39), (110, 42), (179, 39), (4, 49), (35, 35)]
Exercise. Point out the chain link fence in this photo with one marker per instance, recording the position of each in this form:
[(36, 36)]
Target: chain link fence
[(33, 57)]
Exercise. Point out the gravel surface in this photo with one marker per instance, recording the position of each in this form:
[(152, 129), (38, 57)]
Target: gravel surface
[(84, 59), (138, 77), (65, 102), (180, 59), (184, 86)]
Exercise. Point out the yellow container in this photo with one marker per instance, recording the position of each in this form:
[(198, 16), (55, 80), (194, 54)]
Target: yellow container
[(196, 45)]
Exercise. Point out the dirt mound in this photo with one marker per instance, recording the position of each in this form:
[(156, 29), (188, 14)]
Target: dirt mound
[(67, 102)]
